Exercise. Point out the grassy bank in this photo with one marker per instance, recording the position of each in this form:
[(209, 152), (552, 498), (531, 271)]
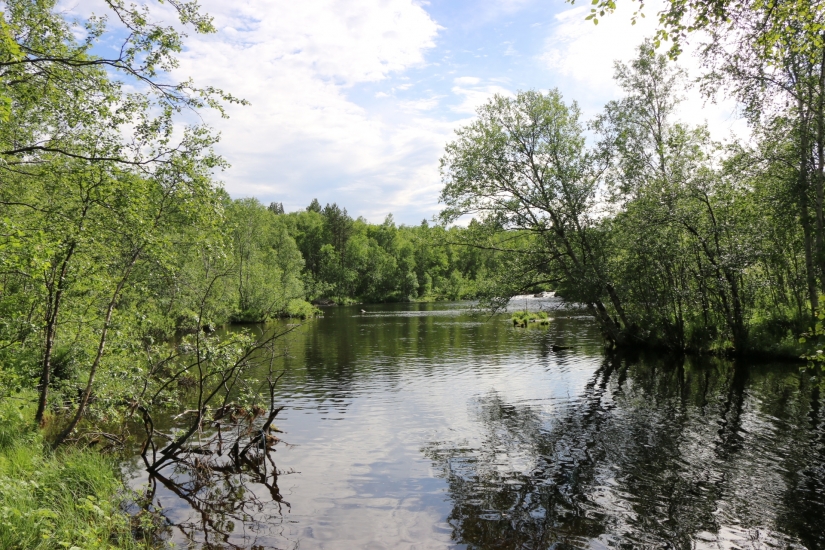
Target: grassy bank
[(62, 500)]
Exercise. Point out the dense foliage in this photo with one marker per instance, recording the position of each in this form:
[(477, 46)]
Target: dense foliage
[(352, 260), (115, 239), (120, 254), (667, 237)]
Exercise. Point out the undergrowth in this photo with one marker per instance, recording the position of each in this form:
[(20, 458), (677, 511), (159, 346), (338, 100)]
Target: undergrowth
[(67, 499)]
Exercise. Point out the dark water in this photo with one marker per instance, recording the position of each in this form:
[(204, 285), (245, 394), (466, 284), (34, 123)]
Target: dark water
[(425, 426)]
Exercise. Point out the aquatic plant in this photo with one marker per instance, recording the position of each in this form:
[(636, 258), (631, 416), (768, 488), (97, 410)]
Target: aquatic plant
[(524, 318)]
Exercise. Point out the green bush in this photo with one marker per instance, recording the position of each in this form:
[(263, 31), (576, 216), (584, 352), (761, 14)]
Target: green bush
[(302, 309)]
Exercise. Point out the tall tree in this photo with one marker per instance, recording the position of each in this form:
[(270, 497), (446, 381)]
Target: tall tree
[(770, 55), (524, 166), (338, 228)]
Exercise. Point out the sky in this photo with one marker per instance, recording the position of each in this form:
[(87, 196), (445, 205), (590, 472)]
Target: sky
[(352, 101)]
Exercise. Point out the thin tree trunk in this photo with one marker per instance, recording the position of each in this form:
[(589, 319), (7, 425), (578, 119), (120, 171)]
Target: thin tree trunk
[(820, 181), (740, 336), (55, 302), (807, 230), (84, 400)]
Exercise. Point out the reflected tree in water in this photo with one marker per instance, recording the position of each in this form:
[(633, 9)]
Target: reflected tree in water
[(225, 505), (653, 454)]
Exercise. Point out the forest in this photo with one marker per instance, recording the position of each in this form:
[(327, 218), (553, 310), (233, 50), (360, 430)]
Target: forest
[(350, 260), (122, 257)]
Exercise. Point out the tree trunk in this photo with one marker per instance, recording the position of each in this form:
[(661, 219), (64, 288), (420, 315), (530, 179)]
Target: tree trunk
[(805, 216), (820, 180), (107, 322), (55, 301)]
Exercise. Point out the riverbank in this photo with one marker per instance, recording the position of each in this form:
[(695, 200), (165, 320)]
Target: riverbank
[(769, 340), (56, 500), (350, 301), (761, 346)]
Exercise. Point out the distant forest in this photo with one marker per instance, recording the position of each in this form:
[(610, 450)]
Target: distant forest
[(327, 257)]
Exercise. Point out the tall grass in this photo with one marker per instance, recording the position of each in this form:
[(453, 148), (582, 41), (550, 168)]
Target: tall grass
[(56, 500)]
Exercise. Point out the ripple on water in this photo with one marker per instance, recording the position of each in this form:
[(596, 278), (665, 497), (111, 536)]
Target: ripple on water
[(425, 426)]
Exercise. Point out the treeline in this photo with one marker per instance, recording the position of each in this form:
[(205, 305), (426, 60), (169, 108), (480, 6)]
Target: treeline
[(669, 238), (348, 259)]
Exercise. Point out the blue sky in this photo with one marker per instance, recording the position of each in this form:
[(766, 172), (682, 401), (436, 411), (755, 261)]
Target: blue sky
[(352, 101)]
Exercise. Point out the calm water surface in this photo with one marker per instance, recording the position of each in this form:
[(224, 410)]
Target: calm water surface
[(428, 426)]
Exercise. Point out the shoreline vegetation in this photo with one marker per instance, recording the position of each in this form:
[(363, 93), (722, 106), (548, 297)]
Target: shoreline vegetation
[(524, 319), (121, 255), (669, 239), (70, 498)]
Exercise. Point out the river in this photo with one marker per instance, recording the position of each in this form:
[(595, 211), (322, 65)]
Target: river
[(435, 426)]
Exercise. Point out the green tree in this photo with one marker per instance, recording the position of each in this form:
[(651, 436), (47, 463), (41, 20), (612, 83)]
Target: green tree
[(523, 166), (338, 228), (770, 55), (100, 213), (268, 262)]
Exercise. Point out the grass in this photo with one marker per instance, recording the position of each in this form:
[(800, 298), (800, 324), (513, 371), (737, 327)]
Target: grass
[(56, 500), (524, 318)]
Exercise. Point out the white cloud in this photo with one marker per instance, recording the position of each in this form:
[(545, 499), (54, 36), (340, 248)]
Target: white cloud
[(466, 80), (423, 104), (473, 95), (584, 54), (302, 136)]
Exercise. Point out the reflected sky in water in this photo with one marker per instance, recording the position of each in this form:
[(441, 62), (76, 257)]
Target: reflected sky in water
[(428, 426)]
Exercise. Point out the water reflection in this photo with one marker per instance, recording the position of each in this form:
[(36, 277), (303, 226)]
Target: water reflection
[(226, 511), (656, 454), (427, 426)]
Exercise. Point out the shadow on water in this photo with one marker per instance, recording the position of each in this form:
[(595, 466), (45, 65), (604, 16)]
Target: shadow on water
[(656, 453)]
